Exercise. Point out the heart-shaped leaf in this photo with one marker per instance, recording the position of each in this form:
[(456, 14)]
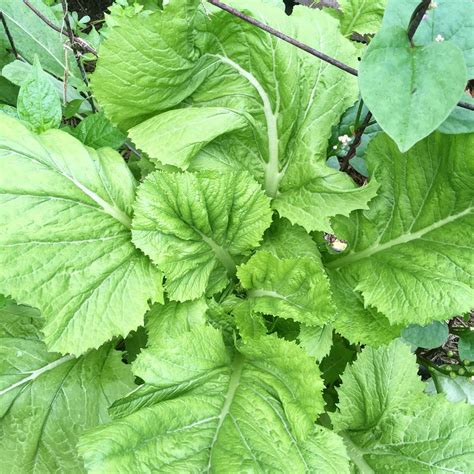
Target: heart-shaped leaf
[(410, 89)]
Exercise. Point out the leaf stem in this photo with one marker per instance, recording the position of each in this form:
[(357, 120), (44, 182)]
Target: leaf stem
[(356, 455), (355, 143), (416, 18)]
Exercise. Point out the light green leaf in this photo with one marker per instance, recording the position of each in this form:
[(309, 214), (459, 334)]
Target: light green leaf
[(285, 240), (196, 228), (172, 319), (388, 423), (410, 253), (296, 288), (34, 37), (382, 381), (454, 21), (466, 346), (430, 336), (361, 16), (47, 401), (211, 412), (357, 322), (316, 341), (96, 131), (311, 198), (38, 103), (65, 245), (276, 104), (175, 137), (251, 325), (424, 84)]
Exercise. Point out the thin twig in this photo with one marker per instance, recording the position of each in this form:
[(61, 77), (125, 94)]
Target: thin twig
[(466, 105), (79, 41), (9, 36), (416, 18), (284, 37), (75, 51), (355, 143)]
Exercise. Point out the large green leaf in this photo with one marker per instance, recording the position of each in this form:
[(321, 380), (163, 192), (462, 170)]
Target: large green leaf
[(47, 401), (410, 253), (65, 245), (454, 21), (217, 93), (382, 381), (34, 37), (389, 425), (205, 410), (196, 228), (425, 83)]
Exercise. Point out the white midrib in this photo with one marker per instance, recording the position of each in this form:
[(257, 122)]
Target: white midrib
[(356, 455), (234, 382), (261, 293), (272, 173), (111, 210), (221, 253), (36, 373), (403, 239)]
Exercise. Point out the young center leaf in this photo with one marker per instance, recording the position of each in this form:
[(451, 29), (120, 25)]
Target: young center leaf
[(410, 254), (197, 227), (205, 408), (65, 245), (38, 102), (218, 93), (410, 89), (295, 288), (47, 401), (387, 421)]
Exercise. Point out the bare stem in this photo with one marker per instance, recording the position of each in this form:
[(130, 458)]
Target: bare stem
[(77, 54), (416, 18), (355, 143), (9, 36)]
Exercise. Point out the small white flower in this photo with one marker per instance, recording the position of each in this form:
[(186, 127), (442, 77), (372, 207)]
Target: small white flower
[(344, 139), (334, 147), (439, 38), (433, 5)]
